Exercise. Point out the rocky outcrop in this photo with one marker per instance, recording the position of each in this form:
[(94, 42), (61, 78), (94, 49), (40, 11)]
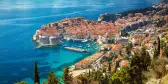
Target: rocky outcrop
[(108, 17)]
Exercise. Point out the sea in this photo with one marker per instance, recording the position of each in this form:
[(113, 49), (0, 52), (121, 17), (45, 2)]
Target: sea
[(19, 19)]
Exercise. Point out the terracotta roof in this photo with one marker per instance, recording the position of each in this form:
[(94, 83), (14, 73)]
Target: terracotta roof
[(116, 47)]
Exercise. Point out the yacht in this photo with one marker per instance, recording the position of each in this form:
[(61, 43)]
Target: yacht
[(75, 49), (84, 40)]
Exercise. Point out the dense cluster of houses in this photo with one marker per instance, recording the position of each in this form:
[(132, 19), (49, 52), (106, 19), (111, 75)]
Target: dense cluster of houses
[(145, 35), (77, 28), (161, 5), (91, 29), (90, 62)]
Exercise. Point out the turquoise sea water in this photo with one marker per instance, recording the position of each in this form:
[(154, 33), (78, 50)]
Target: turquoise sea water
[(19, 19)]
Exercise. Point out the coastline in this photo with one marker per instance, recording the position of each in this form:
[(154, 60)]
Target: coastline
[(83, 70), (18, 25)]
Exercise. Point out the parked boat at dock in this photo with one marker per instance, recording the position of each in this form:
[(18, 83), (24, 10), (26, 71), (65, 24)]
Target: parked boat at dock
[(84, 40), (75, 49)]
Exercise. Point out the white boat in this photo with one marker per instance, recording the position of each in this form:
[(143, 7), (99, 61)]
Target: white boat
[(68, 39), (39, 46), (77, 39), (75, 49), (84, 40), (43, 45)]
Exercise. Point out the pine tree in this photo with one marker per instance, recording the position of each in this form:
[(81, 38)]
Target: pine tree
[(89, 76), (165, 51), (67, 77), (145, 58), (36, 74), (155, 55), (89, 73), (109, 66), (84, 79), (52, 78), (158, 47)]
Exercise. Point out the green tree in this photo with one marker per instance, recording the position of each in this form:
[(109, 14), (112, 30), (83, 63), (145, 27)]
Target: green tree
[(139, 63), (36, 74), (105, 79), (84, 79), (21, 82), (122, 76), (161, 44), (155, 55), (52, 78), (67, 77), (165, 51), (98, 75), (158, 46), (109, 66), (144, 58)]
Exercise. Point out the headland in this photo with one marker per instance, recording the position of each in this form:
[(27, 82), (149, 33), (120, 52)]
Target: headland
[(112, 31)]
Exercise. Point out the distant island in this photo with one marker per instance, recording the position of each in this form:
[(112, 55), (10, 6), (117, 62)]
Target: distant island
[(133, 47)]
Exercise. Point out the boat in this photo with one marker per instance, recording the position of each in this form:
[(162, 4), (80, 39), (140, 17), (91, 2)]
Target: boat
[(84, 40), (89, 45), (39, 46), (68, 39), (77, 39), (75, 49), (43, 45)]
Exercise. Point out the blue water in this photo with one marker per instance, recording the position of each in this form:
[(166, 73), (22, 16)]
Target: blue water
[(19, 19)]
